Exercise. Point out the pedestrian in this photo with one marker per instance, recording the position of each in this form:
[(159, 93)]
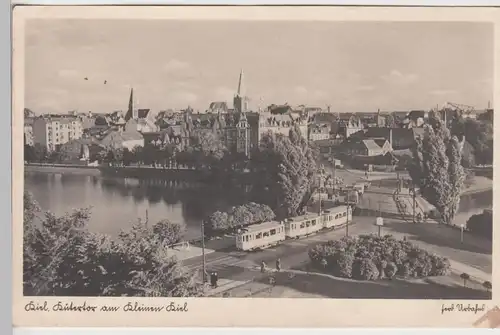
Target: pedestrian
[(216, 279), (263, 267), (278, 265)]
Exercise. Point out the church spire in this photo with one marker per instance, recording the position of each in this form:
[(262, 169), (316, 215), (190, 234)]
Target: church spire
[(239, 83), (130, 111)]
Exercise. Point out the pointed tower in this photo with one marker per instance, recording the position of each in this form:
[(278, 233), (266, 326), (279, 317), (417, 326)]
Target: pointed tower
[(240, 101), (130, 111)]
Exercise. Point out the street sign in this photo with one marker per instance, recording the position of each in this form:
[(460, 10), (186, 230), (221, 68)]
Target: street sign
[(379, 221)]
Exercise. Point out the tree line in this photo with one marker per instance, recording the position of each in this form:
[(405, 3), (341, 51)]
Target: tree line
[(62, 257)]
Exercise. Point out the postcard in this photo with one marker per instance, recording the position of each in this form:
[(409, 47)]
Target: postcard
[(254, 166)]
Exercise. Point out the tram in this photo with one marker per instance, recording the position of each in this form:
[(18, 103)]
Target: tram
[(303, 225), (260, 236), (336, 216)]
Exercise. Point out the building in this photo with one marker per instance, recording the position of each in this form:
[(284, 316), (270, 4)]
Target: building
[(279, 119), (352, 126), (28, 130), (53, 130), (367, 147), (118, 139), (398, 138), (217, 107), (319, 132)]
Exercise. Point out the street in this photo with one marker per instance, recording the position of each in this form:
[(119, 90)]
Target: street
[(472, 255)]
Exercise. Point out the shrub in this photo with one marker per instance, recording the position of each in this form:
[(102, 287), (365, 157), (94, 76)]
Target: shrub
[(465, 277), (487, 285), (391, 270), (370, 257), (344, 263), (364, 268), (481, 224)]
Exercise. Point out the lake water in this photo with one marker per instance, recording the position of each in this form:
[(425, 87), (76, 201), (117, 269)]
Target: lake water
[(117, 203)]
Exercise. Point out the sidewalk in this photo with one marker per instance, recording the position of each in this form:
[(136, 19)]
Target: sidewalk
[(191, 250)]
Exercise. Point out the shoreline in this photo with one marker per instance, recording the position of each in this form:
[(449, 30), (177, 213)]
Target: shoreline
[(63, 169)]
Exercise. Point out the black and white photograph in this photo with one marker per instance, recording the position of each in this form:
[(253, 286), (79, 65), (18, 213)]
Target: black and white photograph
[(258, 159)]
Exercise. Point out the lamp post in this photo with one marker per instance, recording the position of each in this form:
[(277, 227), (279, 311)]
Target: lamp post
[(203, 252), (379, 222), (413, 192), (349, 213), (462, 226)]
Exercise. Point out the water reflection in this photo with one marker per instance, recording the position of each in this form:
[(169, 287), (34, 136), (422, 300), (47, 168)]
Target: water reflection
[(117, 203)]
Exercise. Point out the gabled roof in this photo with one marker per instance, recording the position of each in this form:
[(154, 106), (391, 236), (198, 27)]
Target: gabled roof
[(218, 105), (371, 145)]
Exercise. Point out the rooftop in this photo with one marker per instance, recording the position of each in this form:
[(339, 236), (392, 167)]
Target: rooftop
[(261, 226), (307, 216), (371, 145)]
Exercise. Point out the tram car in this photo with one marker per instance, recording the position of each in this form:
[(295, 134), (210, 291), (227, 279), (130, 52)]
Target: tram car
[(303, 225), (260, 236), (336, 216)]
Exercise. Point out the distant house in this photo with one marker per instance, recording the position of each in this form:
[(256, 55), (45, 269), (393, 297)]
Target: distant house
[(28, 130), (122, 139), (218, 107), (368, 147), (319, 132), (399, 138)]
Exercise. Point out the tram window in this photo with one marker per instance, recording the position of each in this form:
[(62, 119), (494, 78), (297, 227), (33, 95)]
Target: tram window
[(273, 231), (259, 235), (266, 234), (336, 216), (308, 223), (313, 222), (302, 225), (246, 238)]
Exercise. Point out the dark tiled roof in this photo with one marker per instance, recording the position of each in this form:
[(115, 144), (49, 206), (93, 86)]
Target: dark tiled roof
[(143, 113), (219, 105)]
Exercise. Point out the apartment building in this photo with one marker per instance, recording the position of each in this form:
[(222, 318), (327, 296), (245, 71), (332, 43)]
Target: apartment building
[(55, 130)]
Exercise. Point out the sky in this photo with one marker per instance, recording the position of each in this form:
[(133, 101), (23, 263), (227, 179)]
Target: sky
[(350, 66)]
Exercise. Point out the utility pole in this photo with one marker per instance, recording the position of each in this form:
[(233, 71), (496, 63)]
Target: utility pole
[(319, 188), (203, 252), (347, 222), (414, 200)]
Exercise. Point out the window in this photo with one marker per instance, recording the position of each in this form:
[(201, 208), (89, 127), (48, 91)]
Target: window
[(302, 225), (273, 231), (344, 214), (313, 222), (246, 238), (336, 217), (266, 234), (258, 236), (308, 223)]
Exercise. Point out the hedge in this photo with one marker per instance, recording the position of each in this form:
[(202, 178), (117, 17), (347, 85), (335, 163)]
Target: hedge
[(370, 257)]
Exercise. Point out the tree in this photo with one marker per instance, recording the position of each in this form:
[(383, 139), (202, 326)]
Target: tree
[(437, 169), (487, 285), (169, 232), (479, 134), (238, 216), (465, 277), (63, 258), (40, 153), (289, 165), (208, 149), (389, 121), (481, 224)]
